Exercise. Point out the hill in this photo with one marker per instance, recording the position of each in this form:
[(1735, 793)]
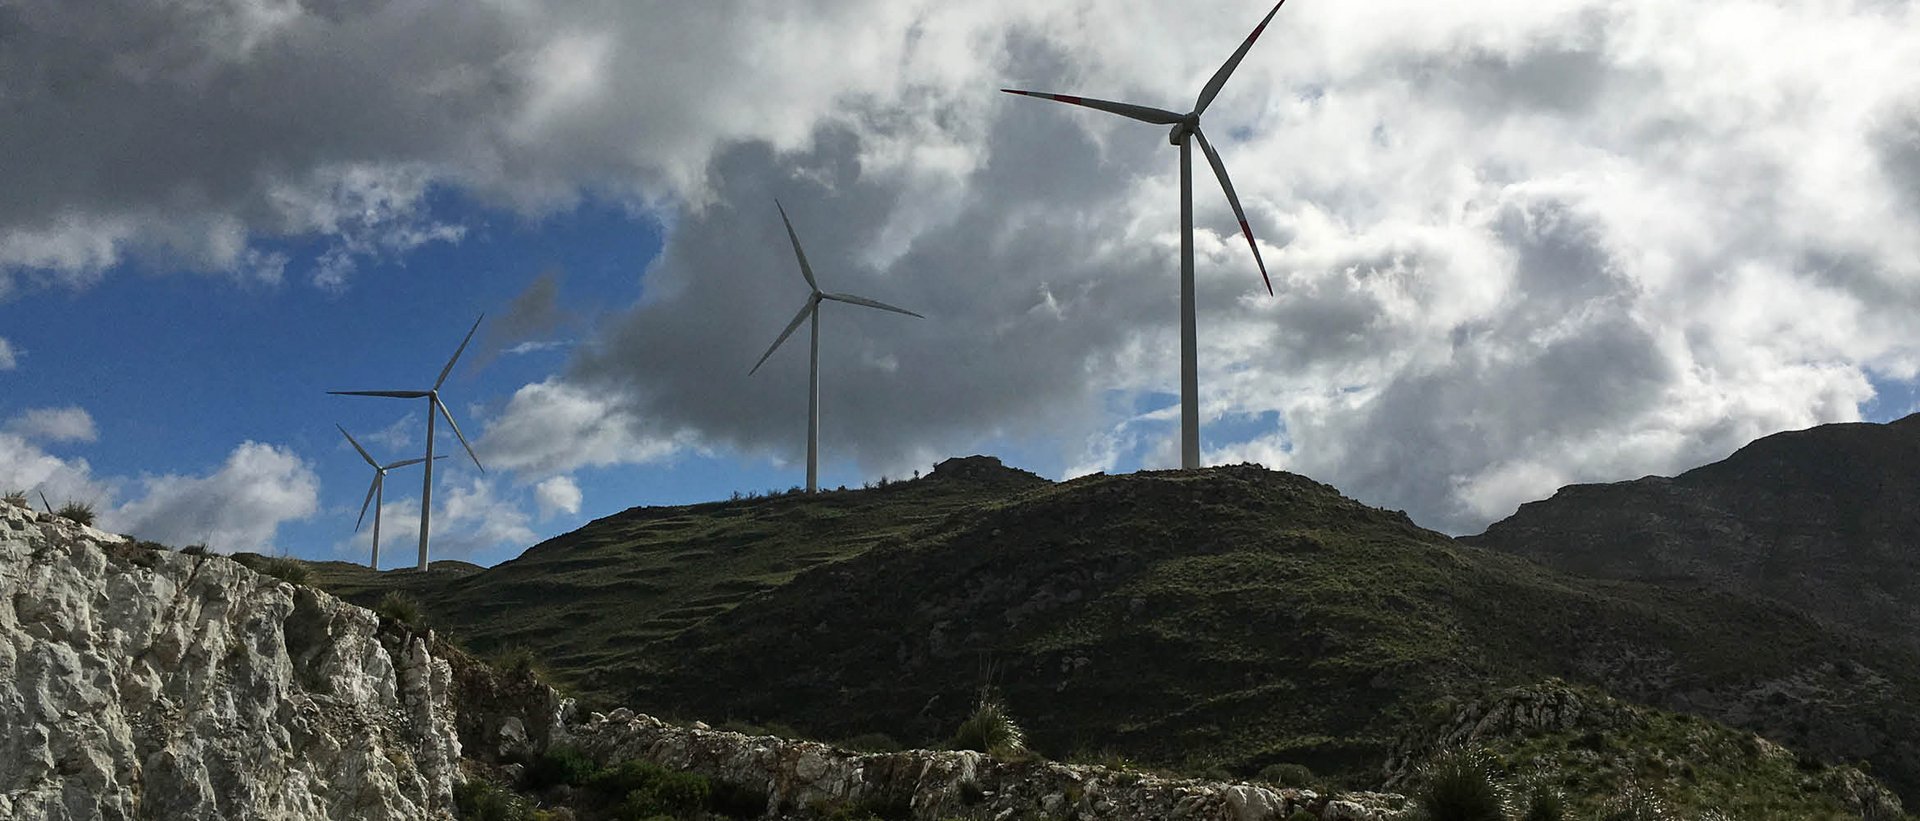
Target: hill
[(1825, 519), (1225, 620)]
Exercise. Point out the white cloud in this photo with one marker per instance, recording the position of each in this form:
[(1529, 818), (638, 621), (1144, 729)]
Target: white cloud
[(557, 495), (25, 467), (556, 427), (238, 507), (470, 515), (70, 424), (1517, 244), (9, 355)]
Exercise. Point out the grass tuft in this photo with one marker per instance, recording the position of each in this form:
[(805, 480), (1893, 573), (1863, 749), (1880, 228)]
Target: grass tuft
[(1458, 785), (990, 730), (402, 608), (77, 511)]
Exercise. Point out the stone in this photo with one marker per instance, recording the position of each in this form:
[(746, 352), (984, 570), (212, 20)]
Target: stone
[(143, 683)]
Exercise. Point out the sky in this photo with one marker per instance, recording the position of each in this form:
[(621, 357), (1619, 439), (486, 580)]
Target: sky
[(1515, 244)]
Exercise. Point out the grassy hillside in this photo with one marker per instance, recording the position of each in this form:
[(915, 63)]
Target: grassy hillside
[(1226, 619)]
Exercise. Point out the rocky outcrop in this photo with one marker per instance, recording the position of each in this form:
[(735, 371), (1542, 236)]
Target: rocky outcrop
[(137, 682), (809, 780)]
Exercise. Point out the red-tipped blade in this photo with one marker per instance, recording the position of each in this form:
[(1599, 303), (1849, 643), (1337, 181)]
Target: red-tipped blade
[(1220, 77), (1157, 116), (1220, 171)]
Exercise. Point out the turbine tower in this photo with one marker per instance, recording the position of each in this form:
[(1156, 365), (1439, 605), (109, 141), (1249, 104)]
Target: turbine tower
[(1187, 126), (376, 493), (811, 310), (434, 406)]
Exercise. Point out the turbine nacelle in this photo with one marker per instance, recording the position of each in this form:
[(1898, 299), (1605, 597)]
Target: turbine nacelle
[(1183, 129)]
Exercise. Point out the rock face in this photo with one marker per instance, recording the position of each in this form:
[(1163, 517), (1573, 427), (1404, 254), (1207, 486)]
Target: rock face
[(136, 682), (1824, 519), (809, 780)]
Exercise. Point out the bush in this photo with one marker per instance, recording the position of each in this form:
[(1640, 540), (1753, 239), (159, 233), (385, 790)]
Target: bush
[(872, 743), (515, 658), (650, 789), (735, 800), (194, 550), (478, 800), (561, 764), (402, 608), (292, 571), (1544, 803), (1458, 785), (990, 730), (77, 511), (17, 498), (1635, 803), (1296, 776)]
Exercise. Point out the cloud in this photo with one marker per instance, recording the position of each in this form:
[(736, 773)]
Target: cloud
[(239, 506), (70, 424), (25, 467), (557, 495), (554, 427), (9, 355), (1515, 245), (471, 515)]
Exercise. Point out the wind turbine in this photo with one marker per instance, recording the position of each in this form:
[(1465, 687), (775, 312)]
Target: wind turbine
[(434, 405), (811, 310), (376, 493), (1185, 126)]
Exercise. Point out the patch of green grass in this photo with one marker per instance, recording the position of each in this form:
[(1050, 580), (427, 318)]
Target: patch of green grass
[(990, 730), (80, 512), (400, 607)]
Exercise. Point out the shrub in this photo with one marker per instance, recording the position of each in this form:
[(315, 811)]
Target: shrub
[(515, 658), (292, 571), (194, 550), (17, 498), (1544, 803), (1635, 803), (650, 789), (560, 764), (735, 800), (77, 511), (872, 743), (1296, 776), (402, 608), (1458, 785), (990, 730), (478, 800)]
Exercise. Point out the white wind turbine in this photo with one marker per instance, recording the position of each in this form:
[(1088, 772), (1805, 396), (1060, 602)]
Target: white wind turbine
[(376, 493), (1184, 126), (434, 407), (812, 310)]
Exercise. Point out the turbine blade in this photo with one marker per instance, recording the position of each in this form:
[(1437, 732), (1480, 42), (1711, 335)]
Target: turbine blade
[(1220, 77), (458, 435), (390, 394), (1220, 170), (363, 505), (797, 319), (805, 269), (1144, 114), (356, 446), (408, 462), (856, 300), (456, 354)]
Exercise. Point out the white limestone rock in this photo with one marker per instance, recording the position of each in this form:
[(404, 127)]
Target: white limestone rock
[(143, 683)]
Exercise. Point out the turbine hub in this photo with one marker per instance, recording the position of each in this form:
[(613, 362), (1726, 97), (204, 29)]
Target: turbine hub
[(1183, 129)]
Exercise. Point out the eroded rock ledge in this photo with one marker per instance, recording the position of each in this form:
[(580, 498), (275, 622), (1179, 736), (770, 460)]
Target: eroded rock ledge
[(138, 682)]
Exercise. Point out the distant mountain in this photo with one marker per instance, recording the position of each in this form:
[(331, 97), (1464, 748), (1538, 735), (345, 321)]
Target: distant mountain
[(1825, 519), (1230, 618)]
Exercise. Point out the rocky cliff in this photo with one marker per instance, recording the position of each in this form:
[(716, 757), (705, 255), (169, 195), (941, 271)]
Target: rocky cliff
[(138, 682)]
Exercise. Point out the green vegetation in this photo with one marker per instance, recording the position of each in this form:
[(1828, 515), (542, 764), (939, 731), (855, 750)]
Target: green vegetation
[(194, 550), (634, 790), (1221, 620), (80, 512), (480, 800), (402, 608), (990, 730), (1458, 785)]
